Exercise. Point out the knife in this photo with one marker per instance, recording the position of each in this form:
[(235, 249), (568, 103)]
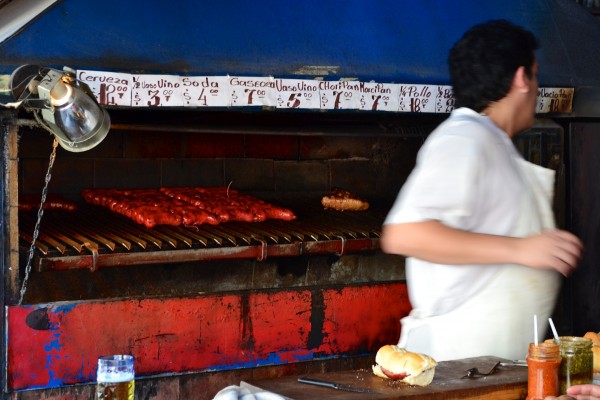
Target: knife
[(334, 385), (514, 363)]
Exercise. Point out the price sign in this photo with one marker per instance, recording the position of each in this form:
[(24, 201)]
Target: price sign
[(122, 89), (555, 100), (379, 96), (250, 91), (417, 98), (444, 99), (297, 93), (205, 91), (109, 88), (156, 91), (340, 95)]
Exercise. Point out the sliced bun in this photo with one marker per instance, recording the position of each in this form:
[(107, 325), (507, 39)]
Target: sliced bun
[(595, 338), (393, 362)]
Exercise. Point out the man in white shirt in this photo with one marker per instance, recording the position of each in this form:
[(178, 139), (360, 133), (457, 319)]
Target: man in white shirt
[(474, 218)]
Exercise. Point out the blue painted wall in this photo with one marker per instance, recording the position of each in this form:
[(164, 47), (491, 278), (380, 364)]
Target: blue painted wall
[(384, 40)]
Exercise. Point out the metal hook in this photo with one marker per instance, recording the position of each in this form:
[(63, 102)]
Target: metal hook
[(263, 249), (343, 249), (93, 247)]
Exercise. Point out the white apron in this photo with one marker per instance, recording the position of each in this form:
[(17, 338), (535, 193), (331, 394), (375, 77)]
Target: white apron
[(498, 320)]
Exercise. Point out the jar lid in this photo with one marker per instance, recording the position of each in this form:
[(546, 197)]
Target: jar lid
[(573, 343), (544, 350)]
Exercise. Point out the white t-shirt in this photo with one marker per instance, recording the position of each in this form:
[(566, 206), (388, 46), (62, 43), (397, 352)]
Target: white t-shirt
[(468, 176)]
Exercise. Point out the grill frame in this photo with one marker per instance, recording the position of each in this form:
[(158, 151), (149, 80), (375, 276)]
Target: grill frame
[(93, 237)]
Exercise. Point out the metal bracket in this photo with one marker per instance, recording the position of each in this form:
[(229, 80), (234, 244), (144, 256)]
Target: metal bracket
[(263, 249), (343, 249), (93, 248)]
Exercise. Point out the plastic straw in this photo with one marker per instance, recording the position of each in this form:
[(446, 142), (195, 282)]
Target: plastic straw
[(535, 330), (556, 339)]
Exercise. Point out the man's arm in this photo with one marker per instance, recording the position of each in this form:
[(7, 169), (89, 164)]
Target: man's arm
[(435, 242)]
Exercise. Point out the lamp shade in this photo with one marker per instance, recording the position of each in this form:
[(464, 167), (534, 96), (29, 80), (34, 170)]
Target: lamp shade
[(76, 119), (68, 107)]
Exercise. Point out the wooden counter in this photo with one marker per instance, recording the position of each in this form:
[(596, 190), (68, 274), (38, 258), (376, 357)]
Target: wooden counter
[(508, 383)]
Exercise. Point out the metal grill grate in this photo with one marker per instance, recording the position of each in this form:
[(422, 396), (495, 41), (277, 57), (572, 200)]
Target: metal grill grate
[(95, 238)]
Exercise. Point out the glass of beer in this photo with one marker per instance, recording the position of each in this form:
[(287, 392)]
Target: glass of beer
[(115, 378)]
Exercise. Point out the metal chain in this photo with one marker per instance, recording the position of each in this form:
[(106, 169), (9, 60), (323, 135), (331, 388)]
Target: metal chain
[(36, 229)]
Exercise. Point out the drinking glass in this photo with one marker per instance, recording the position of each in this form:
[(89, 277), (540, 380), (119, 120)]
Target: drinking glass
[(115, 378)]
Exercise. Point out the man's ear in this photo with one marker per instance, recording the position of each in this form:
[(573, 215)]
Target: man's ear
[(521, 80)]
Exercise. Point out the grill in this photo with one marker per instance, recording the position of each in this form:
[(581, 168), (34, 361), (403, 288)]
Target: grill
[(244, 282), (95, 238)]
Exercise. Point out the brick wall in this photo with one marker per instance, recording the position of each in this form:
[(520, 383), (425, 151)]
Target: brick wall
[(373, 166)]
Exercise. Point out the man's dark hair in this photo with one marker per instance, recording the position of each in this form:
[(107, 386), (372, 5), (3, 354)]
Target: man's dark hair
[(483, 62)]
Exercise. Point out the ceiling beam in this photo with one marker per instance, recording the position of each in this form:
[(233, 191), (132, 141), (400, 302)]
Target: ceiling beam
[(16, 14)]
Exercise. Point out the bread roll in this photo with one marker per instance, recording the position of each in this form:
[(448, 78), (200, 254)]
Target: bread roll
[(393, 362), (595, 338)]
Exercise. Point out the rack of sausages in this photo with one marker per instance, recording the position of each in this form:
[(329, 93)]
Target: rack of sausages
[(53, 202), (186, 205)]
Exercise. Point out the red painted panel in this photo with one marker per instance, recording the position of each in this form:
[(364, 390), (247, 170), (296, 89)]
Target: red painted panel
[(54, 345), (281, 324), (164, 335), (363, 318)]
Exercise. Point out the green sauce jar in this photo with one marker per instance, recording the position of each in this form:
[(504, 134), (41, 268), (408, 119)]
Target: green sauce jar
[(577, 363)]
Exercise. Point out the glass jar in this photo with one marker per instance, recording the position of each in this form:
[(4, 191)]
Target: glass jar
[(577, 365), (543, 362)]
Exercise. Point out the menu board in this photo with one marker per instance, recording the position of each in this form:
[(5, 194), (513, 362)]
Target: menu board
[(252, 91), (554, 100), (444, 100), (297, 93), (156, 91), (339, 95), (109, 88), (417, 98), (152, 90), (379, 96), (205, 91)]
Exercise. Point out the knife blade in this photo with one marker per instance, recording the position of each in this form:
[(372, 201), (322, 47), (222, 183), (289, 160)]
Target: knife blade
[(334, 385), (514, 363)]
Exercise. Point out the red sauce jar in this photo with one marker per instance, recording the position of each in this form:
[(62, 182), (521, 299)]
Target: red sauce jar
[(543, 363)]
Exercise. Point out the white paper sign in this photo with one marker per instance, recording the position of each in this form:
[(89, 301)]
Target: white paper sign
[(205, 91), (417, 98), (109, 88), (444, 99), (297, 93), (339, 95), (156, 91), (555, 100), (121, 89), (252, 91), (379, 96)]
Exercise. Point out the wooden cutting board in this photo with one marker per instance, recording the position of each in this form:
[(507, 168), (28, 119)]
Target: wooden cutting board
[(509, 383)]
